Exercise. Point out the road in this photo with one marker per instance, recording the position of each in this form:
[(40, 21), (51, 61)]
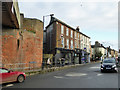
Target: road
[(85, 76)]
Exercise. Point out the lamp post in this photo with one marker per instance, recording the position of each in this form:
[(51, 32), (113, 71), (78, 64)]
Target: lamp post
[(44, 18), (43, 62)]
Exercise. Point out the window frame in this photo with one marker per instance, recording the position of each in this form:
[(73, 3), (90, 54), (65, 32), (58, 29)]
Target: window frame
[(62, 29), (67, 31)]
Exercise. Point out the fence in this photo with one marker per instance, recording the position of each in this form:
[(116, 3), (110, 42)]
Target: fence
[(34, 66)]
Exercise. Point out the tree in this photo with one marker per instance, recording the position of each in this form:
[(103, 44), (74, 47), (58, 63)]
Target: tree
[(98, 55)]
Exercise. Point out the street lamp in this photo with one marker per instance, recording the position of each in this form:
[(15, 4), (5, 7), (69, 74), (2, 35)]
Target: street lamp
[(43, 38)]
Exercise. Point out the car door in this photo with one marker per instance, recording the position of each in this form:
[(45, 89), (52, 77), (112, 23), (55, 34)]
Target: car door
[(7, 76), (4, 75), (0, 77)]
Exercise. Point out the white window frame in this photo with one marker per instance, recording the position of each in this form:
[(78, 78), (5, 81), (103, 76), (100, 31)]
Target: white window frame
[(71, 44), (71, 33), (62, 29), (67, 43), (67, 31), (78, 36), (62, 41)]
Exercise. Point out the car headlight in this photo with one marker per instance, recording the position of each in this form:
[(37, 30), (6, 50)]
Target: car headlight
[(114, 66)]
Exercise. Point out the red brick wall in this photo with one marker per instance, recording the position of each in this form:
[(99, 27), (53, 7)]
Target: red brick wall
[(32, 48), (65, 36), (9, 47), (30, 45), (33, 42)]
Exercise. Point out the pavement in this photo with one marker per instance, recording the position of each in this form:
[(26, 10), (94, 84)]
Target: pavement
[(84, 76), (47, 70)]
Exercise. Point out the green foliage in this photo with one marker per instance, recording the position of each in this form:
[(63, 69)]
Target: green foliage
[(98, 54)]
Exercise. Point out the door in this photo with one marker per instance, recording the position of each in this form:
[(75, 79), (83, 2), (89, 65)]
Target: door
[(7, 76), (79, 58)]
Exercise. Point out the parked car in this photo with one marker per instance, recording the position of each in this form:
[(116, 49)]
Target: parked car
[(11, 76), (109, 64)]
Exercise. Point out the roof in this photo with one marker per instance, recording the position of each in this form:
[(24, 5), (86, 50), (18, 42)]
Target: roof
[(92, 46), (33, 19), (53, 19)]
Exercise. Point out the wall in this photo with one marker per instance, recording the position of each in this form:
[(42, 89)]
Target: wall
[(21, 46), (9, 46), (51, 38)]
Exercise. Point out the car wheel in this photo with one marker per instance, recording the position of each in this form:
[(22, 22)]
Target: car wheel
[(20, 79)]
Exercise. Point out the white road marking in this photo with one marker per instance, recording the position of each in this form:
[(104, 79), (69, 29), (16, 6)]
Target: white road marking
[(94, 67), (99, 74), (76, 74), (9, 85), (58, 77)]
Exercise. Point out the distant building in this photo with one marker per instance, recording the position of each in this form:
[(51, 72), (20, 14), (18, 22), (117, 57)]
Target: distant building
[(116, 53), (98, 48), (106, 51), (63, 41)]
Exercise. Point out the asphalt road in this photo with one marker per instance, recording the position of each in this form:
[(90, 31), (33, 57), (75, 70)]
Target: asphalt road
[(85, 76)]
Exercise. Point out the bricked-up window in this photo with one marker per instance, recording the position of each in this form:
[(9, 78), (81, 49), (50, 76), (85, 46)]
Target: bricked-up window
[(62, 29), (67, 43), (67, 32), (71, 33), (18, 44), (71, 44), (62, 41)]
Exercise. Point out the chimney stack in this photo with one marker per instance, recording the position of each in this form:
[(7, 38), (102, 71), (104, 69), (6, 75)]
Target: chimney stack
[(77, 28)]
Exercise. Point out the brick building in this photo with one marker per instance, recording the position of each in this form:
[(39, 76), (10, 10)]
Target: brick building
[(22, 43), (63, 41)]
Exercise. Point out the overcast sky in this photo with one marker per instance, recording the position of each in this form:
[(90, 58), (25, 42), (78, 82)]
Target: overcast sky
[(98, 20)]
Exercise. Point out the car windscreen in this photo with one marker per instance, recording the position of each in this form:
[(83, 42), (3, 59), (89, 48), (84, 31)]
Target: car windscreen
[(109, 61)]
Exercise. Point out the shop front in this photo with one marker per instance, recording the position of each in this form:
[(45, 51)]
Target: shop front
[(64, 54), (77, 56)]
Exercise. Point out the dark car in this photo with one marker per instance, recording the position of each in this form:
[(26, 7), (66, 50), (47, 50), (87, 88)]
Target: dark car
[(11, 76), (109, 64)]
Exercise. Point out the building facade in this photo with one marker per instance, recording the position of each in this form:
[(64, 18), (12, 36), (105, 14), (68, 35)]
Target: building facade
[(63, 41), (98, 49)]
